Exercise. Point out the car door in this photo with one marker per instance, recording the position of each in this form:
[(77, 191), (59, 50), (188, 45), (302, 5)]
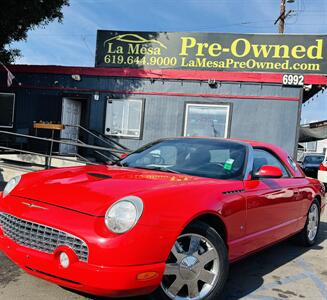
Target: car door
[(272, 203)]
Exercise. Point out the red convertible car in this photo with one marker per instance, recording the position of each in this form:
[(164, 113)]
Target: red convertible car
[(166, 220)]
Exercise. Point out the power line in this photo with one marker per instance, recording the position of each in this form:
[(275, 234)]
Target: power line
[(216, 27), (87, 45)]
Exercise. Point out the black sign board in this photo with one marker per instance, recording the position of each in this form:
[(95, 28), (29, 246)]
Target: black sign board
[(299, 54)]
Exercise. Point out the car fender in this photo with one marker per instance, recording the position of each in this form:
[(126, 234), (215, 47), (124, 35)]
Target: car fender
[(229, 209)]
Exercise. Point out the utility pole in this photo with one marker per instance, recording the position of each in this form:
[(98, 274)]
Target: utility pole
[(282, 16)]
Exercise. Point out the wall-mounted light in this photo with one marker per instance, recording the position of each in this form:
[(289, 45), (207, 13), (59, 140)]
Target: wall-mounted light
[(76, 77), (212, 83), (96, 96)]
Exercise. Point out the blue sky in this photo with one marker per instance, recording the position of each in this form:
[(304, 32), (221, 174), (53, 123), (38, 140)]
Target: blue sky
[(73, 41)]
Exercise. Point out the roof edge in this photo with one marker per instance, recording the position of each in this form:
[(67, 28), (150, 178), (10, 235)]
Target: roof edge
[(164, 74)]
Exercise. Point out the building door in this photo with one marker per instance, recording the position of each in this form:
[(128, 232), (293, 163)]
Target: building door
[(71, 117)]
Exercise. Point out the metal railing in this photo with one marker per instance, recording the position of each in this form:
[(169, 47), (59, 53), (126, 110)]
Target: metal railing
[(99, 153), (47, 156), (112, 154), (99, 137)]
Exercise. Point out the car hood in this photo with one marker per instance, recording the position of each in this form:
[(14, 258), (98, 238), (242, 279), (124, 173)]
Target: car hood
[(92, 189)]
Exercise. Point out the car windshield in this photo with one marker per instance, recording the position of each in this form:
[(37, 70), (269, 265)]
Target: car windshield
[(314, 159), (220, 159)]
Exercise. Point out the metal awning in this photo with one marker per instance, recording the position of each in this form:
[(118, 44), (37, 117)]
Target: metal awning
[(313, 132)]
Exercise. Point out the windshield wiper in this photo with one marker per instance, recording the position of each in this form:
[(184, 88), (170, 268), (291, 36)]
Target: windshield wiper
[(119, 163), (162, 169), (156, 168)]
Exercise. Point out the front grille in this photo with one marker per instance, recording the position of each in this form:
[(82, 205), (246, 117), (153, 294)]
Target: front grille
[(41, 237)]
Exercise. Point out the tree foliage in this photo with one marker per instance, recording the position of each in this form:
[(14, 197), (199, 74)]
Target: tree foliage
[(17, 17)]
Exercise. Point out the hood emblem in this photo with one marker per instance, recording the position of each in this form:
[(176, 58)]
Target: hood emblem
[(33, 205)]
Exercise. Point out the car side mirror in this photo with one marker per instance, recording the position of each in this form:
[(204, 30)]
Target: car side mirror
[(269, 172)]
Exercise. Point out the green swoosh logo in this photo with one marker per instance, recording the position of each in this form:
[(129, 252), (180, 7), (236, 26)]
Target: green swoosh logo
[(128, 38)]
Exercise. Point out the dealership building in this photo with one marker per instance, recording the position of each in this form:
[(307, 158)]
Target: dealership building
[(147, 86)]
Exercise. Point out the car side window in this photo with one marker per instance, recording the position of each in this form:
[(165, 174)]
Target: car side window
[(292, 163), (263, 158)]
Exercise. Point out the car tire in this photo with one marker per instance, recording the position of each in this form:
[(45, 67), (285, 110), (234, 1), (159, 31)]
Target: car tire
[(309, 234), (197, 267)]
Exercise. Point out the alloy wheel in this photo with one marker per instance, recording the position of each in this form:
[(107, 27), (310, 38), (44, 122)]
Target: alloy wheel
[(192, 268), (313, 222)]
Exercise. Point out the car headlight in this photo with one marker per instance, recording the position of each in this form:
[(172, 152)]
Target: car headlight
[(123, 215), (12, 183)]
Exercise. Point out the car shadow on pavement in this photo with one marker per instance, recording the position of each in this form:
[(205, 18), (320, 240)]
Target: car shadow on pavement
[(8, 272), (247, 275)]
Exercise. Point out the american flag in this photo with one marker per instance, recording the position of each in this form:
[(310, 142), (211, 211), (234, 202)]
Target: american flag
[(10, 76)]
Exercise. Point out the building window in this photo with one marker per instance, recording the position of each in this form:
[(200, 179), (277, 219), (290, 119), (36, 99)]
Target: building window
[(206, 120), (7, 107), (310, 146), (124, 117)]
